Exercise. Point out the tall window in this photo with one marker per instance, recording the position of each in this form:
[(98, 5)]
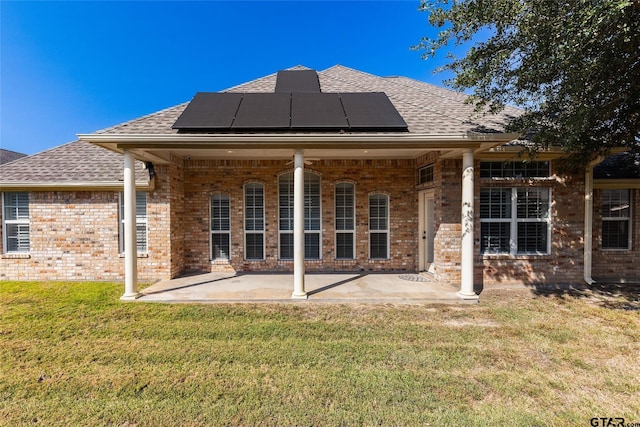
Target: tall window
[(616, 219), (220, 227), (514, 220), (378, 226), (254, 221), (312, 213), (15, 222), (141, 221), (345, 220)]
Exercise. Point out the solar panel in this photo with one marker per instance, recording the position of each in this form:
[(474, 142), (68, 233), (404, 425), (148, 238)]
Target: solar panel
[(297, 81), (209, 110), (317, 111), (371, 110), (263, 111)]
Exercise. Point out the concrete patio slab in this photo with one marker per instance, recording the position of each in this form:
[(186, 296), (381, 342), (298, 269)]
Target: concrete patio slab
[(265, 287)]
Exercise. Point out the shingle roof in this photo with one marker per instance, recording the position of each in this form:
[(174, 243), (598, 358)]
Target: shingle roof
[(7, 156), (77, 161), (426, 108), (619, 166)]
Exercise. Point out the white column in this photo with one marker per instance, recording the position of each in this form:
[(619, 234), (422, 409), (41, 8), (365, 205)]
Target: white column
[(466, 262), (298, 226), (130, 245)]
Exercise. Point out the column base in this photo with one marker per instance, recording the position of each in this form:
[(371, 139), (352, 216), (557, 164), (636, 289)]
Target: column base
[(130, 297), (299, 296), (468, 297)]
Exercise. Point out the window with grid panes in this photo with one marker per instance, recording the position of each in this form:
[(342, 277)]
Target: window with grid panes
[(141, 222), (378, 226), (616, 219), (533, 169), (514, 220), (15, 222), (254, 221), (312, 213), (220, 227), (345, 220)]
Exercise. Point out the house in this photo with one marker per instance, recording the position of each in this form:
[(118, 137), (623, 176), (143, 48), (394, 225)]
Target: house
[(304, 171)]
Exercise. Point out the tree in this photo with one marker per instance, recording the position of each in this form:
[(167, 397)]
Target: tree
[(573, 66)]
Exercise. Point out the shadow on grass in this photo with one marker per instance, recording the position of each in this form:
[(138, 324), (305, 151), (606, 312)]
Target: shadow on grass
[(615, 296)]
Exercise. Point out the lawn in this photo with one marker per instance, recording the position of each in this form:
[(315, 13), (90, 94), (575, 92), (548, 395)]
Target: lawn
[(73, 354)]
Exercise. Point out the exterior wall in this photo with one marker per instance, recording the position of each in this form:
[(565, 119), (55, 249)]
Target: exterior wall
[(616, 265), (565, 263), (396, 178), (74, 236)]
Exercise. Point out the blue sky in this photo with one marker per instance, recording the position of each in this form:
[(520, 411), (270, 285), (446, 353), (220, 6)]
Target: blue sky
[(80, 66)]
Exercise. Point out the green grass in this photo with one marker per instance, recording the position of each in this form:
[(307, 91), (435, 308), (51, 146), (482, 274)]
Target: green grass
[(73, 354)]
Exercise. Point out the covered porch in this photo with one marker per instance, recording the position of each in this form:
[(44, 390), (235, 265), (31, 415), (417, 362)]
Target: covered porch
[(393, 288)]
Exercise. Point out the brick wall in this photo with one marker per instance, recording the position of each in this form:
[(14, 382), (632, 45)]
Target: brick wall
[(74, 236), (396, 178), (564, 264), (616, 265)]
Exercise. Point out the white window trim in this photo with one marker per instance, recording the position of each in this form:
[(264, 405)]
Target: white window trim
[(620, 219), (514, 221), (319, 231), (387, 230), (264, 245), (20, 221), (139, 221), (212, 232), (352, 231)]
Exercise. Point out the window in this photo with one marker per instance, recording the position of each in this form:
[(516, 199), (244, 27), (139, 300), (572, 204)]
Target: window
[(378, 226), (514, 169), (141, 221), (345, 220), (16, 222), (254, 221), (425, 174), (312, 211), (514, 220), (616, 219), (220, 227)]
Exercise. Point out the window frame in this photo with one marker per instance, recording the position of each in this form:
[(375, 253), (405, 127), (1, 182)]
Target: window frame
[(428, 174), (386, 230), (290, 208), (246, 218), (498, 170), (352, 230), (213, 232), (17, 221), (610, 219), (513, 220), (140, 220)]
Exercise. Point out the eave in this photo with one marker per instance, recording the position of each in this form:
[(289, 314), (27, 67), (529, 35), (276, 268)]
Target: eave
[(155, 147)]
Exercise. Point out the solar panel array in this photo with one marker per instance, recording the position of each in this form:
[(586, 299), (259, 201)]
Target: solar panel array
[(296, 105)]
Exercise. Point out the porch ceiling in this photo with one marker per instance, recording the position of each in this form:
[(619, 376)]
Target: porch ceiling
[(159, 148)]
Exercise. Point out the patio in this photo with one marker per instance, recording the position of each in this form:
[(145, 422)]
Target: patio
[(278, 287)]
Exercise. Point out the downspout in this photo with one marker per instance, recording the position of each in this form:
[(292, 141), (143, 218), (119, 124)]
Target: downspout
[(588, 220)]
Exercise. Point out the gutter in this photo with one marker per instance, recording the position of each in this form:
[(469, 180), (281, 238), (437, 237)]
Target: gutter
[(588, 220), (72, 186)]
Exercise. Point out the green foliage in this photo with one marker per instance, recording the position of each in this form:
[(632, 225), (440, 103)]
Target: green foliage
[(573, 66)]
